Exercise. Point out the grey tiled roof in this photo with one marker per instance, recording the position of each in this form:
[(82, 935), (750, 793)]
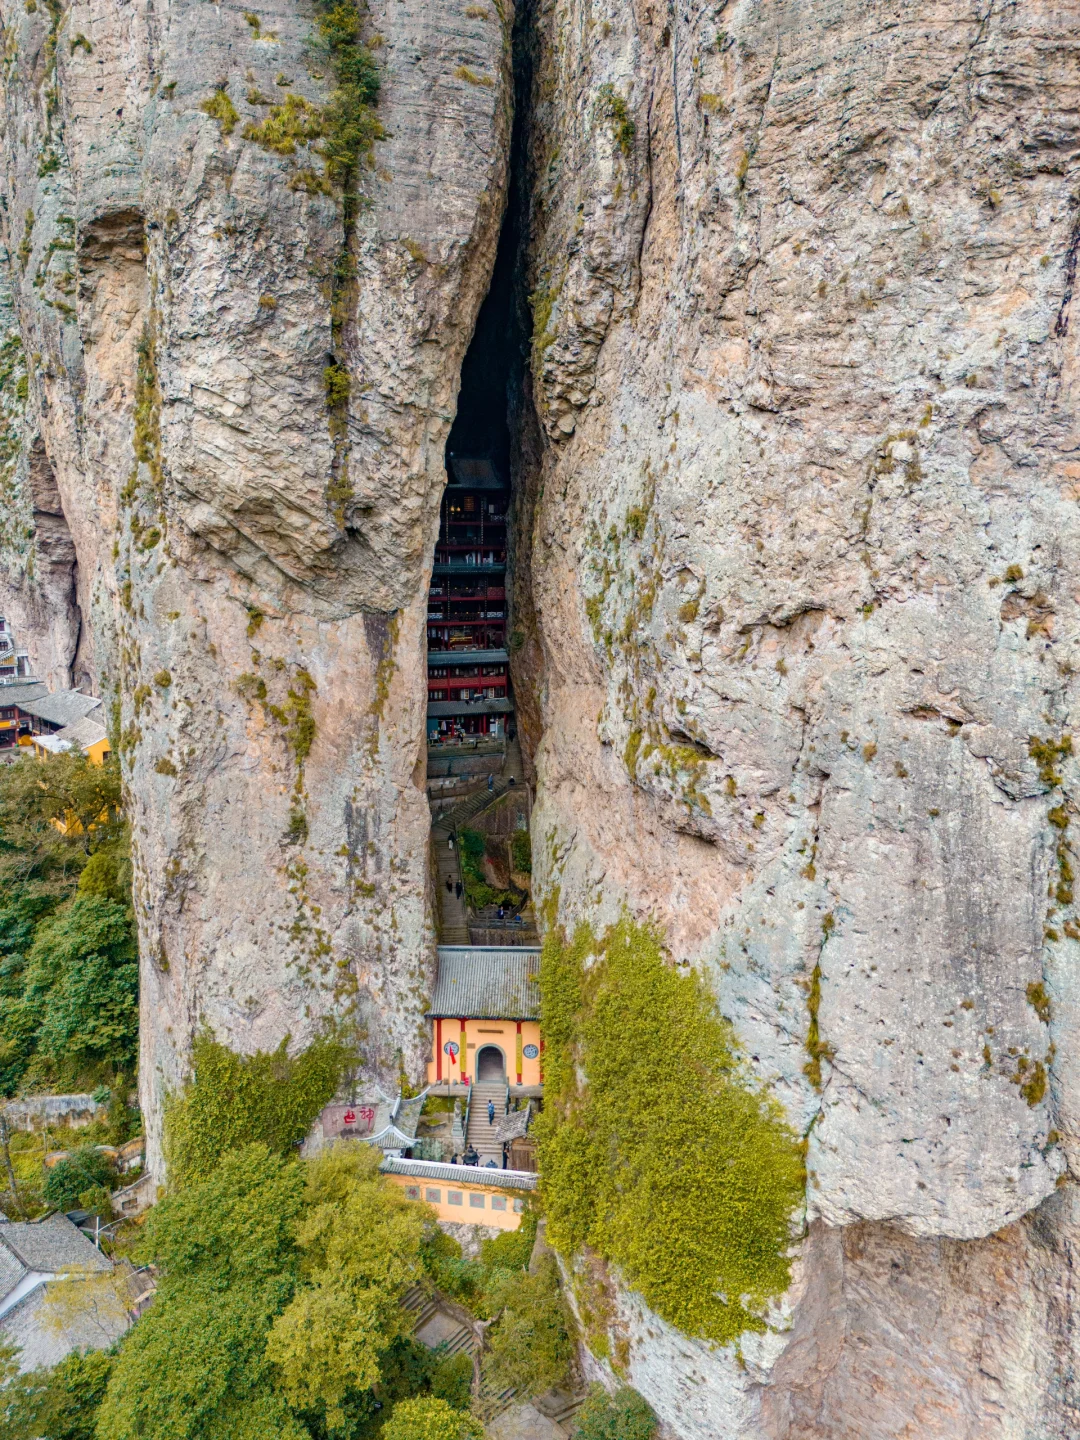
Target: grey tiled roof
[(446, 708), (462, 657), (462, 1174), (63, 707), (514, 1125), (21, 691), (391, 1139), (11, 1272), (53, 1244), (478, 982), (83, 732), (475, 471)]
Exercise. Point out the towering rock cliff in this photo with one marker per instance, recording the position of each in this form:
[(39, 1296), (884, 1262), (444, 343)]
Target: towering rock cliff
[(798, 570), (222, 465), (804, 550)]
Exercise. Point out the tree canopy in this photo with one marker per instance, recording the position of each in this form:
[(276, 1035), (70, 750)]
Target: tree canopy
[(428, 1418), (68, 956)]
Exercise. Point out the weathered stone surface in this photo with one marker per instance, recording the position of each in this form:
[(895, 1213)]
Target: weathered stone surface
[(797, 584), (173, 294), (803, 587)]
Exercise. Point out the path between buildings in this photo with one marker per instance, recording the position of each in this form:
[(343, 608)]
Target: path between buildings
[(454, 929)]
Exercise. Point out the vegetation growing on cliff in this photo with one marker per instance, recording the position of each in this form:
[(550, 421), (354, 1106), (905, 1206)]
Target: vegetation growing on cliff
[(68, 960), (270, 1097), (655, 1152), (478, 892), (622, 1416)]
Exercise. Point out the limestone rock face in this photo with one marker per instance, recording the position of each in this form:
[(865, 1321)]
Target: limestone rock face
[(241, 574), (804, 553), (796, 599)]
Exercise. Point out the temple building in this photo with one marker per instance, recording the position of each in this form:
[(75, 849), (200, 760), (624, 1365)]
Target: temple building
[(485, 1018), (468, 670)]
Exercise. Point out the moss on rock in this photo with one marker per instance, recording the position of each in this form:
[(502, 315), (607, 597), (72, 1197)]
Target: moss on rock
[(655, 1149)]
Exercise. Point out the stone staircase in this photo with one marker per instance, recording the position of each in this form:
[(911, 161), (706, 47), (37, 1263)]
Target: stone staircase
[(560, 1408), (470, 807), (480, 1134), (447, 1336)]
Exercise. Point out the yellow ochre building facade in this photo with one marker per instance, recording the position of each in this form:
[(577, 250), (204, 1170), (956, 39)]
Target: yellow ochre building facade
[(485, 1017)]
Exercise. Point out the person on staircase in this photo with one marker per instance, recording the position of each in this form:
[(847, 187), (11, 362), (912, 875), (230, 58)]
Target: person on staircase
[(491, 1112)]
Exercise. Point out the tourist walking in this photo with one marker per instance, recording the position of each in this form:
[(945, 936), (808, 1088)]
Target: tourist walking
[(491, 1112)]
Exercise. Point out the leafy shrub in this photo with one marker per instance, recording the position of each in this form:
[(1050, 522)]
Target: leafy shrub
[(351, 123), (521, 851), (98, 1201), (428, 1418), (452, 1381), (478, 892), (531, 1345), (622, 1416), (450, 1271), (666, 1161), (513, 1248), (68, 1179)]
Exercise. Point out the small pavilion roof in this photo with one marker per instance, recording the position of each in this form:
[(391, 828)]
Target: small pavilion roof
[(485, 982)]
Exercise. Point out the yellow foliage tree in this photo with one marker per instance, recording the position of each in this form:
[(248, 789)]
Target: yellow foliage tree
[(359, 1240)]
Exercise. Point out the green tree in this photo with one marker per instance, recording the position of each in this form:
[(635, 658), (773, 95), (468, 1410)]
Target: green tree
[(68, 1179), (194, 1367), (82, 980), (68, 973), (531, 1345), (428, 1418), (61, 1403), (37, 796), (359, 1240), (622, 1416)]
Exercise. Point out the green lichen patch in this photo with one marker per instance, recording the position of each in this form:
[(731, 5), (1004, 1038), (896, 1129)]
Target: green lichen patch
[(1039, 1001), (1047, 754), (656, 1151)]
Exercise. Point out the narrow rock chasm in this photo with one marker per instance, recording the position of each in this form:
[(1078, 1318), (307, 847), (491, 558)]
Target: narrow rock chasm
[(474, 749)]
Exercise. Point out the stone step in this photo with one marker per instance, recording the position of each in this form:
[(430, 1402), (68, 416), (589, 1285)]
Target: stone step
[(462, 1342)]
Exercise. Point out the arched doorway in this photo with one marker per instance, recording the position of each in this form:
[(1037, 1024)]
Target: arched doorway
[(490, 1065)]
